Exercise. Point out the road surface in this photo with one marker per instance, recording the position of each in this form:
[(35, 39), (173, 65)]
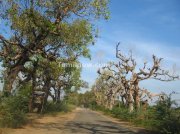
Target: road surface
[(80, 121), (89, 122)]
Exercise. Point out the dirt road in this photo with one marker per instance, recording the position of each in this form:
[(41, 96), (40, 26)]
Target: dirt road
[(80, 121)]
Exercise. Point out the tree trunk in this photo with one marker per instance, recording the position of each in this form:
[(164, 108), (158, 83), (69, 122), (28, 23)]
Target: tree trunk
[(131, 107), (31, 102), (12, 73), (130, 101), (137, 98), (46, 89), (33, 75), (111, 104), (58, 95), (10, 78)]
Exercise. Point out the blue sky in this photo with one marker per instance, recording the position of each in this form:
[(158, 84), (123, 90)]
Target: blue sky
[(146, 27)]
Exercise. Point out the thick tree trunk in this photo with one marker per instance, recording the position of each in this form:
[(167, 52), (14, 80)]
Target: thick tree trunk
[(130, 101), (12, 73), (137, 98), (10, 78), (124, 100), (46, 90), (131, 107), (111, 104), (33, 76)]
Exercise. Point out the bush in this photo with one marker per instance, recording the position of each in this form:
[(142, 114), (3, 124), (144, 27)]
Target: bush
[(123, 113), (58, 107), (170, 125), (168, 116), (12, 113), (13, 109)]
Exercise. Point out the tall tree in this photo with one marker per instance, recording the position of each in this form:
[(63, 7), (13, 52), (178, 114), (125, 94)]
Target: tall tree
[(50, 28)]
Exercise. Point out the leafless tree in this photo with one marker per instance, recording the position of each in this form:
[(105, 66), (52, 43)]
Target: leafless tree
[(125, 78)]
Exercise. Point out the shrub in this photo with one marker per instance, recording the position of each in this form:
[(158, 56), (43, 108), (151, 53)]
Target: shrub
[(122, 113), (170, 125), (13, 109), (58, 107), (12, 113), (168, 116)]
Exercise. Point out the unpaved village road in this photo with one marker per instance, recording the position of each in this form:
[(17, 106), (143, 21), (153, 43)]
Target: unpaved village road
[(80, 121)]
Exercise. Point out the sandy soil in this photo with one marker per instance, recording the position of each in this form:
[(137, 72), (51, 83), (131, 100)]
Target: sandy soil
[(49, 124)]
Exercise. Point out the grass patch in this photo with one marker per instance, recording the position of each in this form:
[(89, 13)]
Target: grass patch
[(61, 107)]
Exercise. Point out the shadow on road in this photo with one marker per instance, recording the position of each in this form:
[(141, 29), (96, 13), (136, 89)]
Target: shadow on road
[(102, 127)]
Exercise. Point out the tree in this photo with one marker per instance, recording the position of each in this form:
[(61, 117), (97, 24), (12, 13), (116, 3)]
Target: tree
[(49, 28), (124, 78)]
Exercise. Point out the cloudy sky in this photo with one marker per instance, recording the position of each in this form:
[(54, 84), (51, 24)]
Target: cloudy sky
[(146, 27)]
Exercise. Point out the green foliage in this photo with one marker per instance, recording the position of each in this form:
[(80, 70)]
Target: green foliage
[(155, 118), (169, 116), (11, 118), (58, 107), (12, 112), (72, 98), (87, 100), (13, 109), (61, 21), (122, 113), (102, 108)]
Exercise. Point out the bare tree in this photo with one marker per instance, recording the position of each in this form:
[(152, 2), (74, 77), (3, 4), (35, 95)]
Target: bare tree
[(124, 78)]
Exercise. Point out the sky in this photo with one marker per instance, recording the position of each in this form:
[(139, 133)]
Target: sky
[(146, 27)]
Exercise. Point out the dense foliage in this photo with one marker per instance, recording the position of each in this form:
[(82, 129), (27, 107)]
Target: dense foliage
[(13, 109)]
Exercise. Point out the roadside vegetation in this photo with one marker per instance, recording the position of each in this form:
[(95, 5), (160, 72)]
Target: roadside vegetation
[(163, 117), (14, 109)]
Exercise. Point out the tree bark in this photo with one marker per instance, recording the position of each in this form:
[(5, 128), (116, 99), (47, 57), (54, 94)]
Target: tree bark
[(10, 78), (31, 106), (33, 75), (58, 95), (130, 101), (46, 90), (137, 97)]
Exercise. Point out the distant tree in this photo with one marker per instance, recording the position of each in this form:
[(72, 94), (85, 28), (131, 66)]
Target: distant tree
[(87, 99)]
